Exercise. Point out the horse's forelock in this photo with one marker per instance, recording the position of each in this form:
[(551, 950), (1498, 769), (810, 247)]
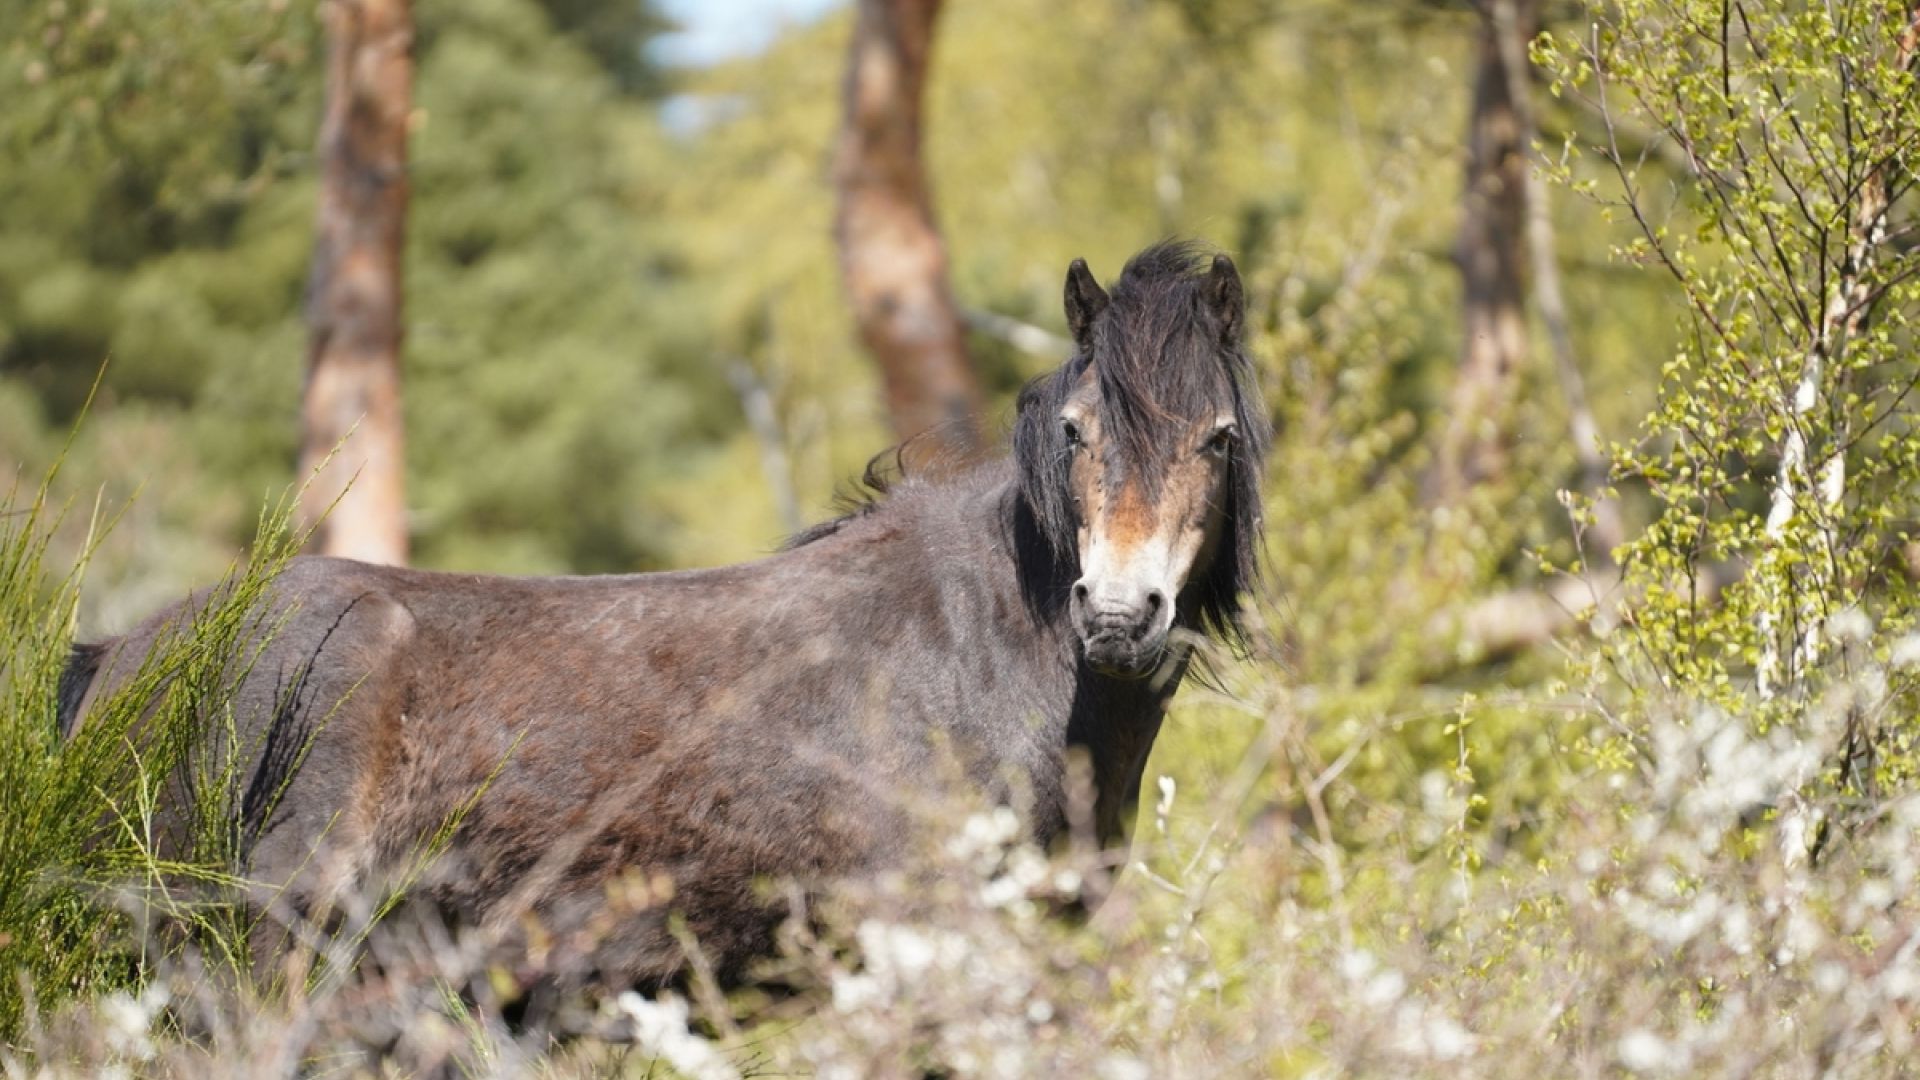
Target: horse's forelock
[(1160, 362), (1161, 358)]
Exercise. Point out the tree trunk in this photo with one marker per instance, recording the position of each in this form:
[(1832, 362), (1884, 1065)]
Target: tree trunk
[(891, 255), (1491, 255), (1512, 28), (351, 442)]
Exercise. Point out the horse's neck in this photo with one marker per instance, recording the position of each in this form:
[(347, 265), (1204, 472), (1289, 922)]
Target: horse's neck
[(1114, 723)]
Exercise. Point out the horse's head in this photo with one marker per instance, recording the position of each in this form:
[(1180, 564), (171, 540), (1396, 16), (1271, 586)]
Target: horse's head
[(1141, 457)]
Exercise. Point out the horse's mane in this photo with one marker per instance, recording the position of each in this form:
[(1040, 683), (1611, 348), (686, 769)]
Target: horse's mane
[(885, 471)]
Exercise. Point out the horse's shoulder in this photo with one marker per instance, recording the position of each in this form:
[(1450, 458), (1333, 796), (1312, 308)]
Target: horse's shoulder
[(312, 572), (367, 601)]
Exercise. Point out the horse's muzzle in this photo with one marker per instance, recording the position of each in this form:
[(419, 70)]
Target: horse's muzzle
[(1124, 659), (1122, 640)]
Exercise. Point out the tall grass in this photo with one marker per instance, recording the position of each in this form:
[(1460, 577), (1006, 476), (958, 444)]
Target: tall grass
[(87, 861)]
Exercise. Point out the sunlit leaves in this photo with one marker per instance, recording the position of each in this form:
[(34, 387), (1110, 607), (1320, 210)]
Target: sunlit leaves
[(1782, 119)]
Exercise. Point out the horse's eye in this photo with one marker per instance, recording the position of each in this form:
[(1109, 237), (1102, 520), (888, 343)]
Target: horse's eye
[(1071, 432), (1220, 443)]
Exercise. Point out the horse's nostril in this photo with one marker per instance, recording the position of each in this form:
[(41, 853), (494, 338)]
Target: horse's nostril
[(1080, 591), (1155, 601)]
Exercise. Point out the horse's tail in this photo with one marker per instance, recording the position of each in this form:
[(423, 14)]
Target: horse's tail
[(83, 663)]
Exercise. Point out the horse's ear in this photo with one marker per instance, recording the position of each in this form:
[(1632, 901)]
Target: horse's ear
[(1226, 298), (1085, 301)]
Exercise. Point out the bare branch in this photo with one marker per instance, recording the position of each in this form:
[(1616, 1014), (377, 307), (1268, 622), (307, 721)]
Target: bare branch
[(764, 421), (1028, 338)]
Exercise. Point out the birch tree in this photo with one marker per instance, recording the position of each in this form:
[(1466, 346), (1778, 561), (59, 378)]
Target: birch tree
[(1785, 442)]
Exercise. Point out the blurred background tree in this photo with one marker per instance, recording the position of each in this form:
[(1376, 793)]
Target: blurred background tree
[(352, 445), (891, 254)]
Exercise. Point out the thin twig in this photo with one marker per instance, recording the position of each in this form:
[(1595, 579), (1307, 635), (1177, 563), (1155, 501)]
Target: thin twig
[(764, 421), (1024, 336)]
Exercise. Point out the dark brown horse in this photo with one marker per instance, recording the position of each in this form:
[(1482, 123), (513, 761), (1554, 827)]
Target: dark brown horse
[(715, 728)]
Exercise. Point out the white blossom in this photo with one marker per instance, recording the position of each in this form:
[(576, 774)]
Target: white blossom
[(660, 1028)]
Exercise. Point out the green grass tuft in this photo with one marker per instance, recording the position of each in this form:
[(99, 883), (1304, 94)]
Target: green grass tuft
[(84, 876)]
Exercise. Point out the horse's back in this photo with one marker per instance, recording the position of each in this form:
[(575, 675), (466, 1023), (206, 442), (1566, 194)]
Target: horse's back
[(715, 725)]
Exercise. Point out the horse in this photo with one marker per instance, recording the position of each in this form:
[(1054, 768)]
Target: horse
[(711, 730)]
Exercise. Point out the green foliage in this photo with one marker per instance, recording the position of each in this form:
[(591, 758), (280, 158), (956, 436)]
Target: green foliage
[(156, 179), (135, 134), (580, 278), (616, 34), (1781, 452)]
